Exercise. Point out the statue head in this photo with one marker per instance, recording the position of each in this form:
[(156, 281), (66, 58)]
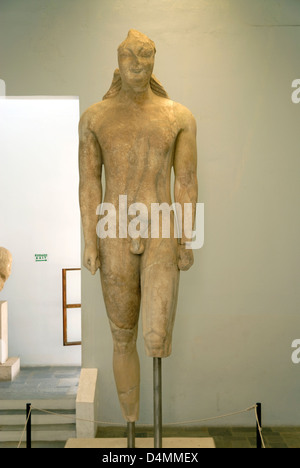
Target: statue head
[(136, 61), (5, 266), (137, 39)]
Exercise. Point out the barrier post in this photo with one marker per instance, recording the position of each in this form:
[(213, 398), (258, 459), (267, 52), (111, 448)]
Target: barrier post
[(258, 425), (28, 426)]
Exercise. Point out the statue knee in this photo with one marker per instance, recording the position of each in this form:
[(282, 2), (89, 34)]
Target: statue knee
[(157, 344), (124, 339)]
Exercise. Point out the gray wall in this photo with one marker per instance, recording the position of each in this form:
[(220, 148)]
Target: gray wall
[(232, 63)]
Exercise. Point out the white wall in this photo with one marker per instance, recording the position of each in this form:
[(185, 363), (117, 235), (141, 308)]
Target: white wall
[(39, 215), (232, 63)]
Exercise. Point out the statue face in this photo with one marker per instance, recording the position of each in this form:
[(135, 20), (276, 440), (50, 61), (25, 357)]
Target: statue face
[(136, 61)]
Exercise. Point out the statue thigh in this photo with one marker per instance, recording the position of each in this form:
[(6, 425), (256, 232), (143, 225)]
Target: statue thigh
[(159, 293), (149, 280), (120, 281)]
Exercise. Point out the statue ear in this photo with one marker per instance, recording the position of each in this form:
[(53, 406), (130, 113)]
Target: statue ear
[(115, 85), (157, 87)]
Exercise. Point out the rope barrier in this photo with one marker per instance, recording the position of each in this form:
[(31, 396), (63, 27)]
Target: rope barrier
[(215, 417), (122, 424), (27, 419)]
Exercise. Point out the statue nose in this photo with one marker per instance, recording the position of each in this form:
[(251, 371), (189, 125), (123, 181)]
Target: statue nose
[(136, 60)]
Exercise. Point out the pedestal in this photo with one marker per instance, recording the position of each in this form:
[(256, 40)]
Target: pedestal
[(3, 332), (9, 367), (168, 442), (86, 404)]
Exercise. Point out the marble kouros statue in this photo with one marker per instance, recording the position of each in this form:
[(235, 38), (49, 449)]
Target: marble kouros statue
[(137, 134), (5, 266)]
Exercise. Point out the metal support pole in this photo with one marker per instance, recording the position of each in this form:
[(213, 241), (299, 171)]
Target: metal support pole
[(130, 435), (28, 426), (258, 422), (157, 400)]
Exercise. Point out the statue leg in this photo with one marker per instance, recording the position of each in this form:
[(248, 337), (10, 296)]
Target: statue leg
[(159, 289), (126, 370), (121, 292)]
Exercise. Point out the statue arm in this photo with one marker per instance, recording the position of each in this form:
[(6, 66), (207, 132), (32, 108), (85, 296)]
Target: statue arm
[(186, 184), (90, 190)]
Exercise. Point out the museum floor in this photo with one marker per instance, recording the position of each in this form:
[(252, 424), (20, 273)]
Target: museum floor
[(44, 383), (224, 437)]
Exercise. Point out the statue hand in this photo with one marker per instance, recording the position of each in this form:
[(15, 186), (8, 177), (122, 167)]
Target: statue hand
[(185, 258), (91, 259)]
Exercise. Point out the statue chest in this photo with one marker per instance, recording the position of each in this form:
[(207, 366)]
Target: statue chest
[(129, 134)]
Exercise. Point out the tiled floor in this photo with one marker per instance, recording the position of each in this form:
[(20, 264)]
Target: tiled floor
[(42, 382), (56, 382)]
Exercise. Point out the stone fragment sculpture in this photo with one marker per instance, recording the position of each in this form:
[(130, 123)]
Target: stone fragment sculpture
[(137, 135), (5, 266)]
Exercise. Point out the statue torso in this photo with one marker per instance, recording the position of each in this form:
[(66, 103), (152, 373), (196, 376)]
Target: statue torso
[(137, 145)]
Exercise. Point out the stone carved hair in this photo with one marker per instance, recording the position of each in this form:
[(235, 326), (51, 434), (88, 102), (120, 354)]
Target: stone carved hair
[(116, 84)]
